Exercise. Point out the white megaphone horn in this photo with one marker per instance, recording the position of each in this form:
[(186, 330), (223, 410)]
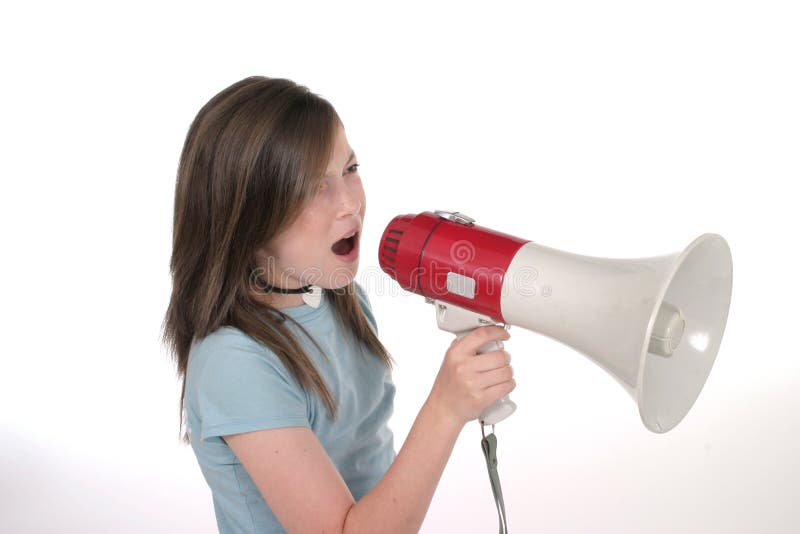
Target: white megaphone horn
[(655, 324)]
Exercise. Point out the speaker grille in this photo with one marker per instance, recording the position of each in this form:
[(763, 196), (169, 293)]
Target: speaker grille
[(390, 245)]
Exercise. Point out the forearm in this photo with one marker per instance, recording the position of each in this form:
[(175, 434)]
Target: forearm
[(399, 502)]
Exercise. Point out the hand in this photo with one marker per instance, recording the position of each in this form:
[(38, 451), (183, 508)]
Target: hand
[(468, 382)]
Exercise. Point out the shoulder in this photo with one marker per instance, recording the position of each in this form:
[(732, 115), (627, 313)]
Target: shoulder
[(230, 352), (225, 340), (224, 337), (236, 384)]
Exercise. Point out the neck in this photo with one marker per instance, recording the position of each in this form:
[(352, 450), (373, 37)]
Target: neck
[(277, 300), (279, 296)]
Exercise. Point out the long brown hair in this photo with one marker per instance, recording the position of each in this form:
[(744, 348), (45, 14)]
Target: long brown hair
[(251, 161)]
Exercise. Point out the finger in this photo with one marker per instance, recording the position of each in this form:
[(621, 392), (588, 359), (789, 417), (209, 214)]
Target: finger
[(492, 360), (501, 390), (472, 342), (495, 376)]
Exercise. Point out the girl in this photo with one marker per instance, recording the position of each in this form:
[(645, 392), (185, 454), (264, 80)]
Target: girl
[(286, 388)]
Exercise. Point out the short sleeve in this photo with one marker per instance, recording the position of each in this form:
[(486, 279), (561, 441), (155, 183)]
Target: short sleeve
[(242, 390), (366, 306)]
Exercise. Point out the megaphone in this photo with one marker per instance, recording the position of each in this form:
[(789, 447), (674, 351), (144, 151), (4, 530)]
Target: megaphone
[(655, 324)]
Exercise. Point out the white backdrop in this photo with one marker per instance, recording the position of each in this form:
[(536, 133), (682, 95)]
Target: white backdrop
[(613, 129)]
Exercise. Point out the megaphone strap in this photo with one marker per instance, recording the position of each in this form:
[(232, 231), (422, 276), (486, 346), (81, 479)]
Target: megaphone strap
[(489, 446)]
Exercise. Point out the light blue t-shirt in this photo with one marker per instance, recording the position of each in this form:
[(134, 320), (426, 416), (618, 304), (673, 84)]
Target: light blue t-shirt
[(235, 384)]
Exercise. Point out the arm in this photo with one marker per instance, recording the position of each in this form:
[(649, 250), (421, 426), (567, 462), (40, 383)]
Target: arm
[(305, 491), (401, 499), (307, 494), (296, 478)]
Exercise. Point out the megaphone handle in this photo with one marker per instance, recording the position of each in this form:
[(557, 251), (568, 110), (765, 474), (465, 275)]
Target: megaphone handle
[(501, 408)]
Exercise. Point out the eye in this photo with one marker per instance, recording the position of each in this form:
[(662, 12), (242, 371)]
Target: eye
[(353, 168)]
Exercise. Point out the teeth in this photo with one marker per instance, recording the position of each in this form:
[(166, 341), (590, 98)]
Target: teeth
[(349, 235)]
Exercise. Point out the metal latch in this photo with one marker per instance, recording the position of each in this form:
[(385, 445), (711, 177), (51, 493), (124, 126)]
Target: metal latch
[(455, 217)]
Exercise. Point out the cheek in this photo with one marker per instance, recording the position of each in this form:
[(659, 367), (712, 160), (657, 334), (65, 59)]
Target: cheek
[(286, 248), (307, 247)]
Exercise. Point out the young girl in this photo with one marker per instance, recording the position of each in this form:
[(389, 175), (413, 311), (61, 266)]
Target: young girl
[(286, 388)]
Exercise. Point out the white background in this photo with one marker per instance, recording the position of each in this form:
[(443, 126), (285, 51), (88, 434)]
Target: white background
[(613, 129)]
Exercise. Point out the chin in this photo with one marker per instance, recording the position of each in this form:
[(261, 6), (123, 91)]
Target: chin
[(339, 277)]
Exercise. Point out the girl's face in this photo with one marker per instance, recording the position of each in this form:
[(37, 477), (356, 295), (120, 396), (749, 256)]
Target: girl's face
[(310, 250)]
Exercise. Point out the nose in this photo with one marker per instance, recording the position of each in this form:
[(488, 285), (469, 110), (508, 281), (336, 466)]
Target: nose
[(350, 202)]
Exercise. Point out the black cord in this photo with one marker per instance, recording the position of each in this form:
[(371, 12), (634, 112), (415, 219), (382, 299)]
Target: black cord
[(270, 288)]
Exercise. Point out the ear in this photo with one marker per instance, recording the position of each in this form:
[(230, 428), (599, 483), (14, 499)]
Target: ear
[(259, 257), (258, 264)]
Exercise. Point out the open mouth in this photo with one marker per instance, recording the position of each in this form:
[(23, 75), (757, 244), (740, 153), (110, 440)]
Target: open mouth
[(345, 246)]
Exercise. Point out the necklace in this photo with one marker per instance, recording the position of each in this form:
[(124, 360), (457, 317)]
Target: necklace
[(311, 294)]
